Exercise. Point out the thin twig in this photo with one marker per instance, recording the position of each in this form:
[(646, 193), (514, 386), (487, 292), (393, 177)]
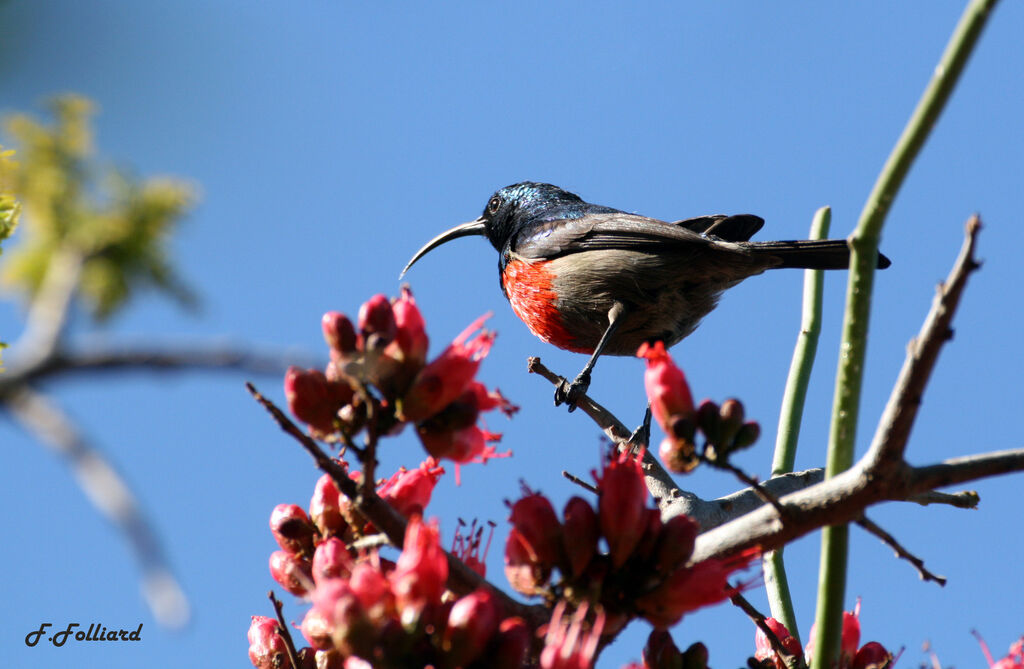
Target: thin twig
[(659, 483), (758, 618), (902, 552), (580, 482), (293, 655), (749, 481)]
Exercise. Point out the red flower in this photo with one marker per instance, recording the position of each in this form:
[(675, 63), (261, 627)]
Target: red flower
[(534, 520), (512, 642), (331, 560), (580, 534), (421, 572), (410, 328), (377, 326), (313, 399), (621, 505), (764, 647), (873, 655), (339, 334), (409, 491), (524, 573), (444, 379), (325, 507), (267, 649), (472, 622), (292, 529), (666, 385), (691, 588), (567, 645), (294, 574)]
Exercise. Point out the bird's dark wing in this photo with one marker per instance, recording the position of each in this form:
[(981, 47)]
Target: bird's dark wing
[(738, 228), (625, 232)]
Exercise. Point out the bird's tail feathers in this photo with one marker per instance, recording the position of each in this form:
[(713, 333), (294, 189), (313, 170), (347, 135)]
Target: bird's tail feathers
[(811, 254)]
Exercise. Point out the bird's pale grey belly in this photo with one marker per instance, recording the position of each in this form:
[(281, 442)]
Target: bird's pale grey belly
[(665, 295)]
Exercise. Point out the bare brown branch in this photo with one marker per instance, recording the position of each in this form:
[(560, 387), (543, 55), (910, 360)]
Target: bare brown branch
[(109, 493), (890, 440)]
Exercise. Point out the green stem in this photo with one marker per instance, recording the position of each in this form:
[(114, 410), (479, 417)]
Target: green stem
[(775, 580), (864, 247)]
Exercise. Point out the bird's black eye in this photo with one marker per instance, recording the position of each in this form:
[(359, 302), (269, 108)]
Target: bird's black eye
[(494, 205)]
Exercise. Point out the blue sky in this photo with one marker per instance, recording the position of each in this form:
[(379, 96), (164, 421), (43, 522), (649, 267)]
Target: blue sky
[(331, 140)]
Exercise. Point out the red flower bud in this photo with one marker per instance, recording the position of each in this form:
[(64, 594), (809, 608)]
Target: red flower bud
[(410, 328), (675, 546), (764, 650), (293, 573), (339, 334), (621, 506), (267, 649), (512, 643), (377, 322), (696, 656), (316, 629), (331, 560), (292, 529), (650, 537), (421, 572), (372, 589), (350, 631), (661, 652), (534, 519), (313, 399), (472, 622), (666, 385), (523, 572), (325, 507), (873, 655), (580, 534), (731, 412), (444, 379)]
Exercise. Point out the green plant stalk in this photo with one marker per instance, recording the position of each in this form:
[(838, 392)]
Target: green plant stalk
[(776, 583), (864, 247)]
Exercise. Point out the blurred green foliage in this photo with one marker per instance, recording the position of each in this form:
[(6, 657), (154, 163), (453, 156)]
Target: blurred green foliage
[(119, 225)]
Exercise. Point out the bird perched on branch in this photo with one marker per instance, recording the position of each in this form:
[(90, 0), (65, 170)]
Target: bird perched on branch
[(597, 280)]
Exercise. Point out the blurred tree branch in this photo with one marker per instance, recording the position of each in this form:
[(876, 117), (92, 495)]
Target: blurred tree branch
[(93, 236)]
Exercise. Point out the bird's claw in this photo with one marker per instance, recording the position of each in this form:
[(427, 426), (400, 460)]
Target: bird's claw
[(571, 393)]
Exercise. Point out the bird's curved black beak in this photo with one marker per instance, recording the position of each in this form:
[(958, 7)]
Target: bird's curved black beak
[(475, 227)]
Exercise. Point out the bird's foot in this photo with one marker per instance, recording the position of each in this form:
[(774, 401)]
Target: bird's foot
[(571, 393)]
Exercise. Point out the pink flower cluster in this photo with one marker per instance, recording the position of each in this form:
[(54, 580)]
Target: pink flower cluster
[(378, 373), (645, 571), (368, 612), (852, 655)]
